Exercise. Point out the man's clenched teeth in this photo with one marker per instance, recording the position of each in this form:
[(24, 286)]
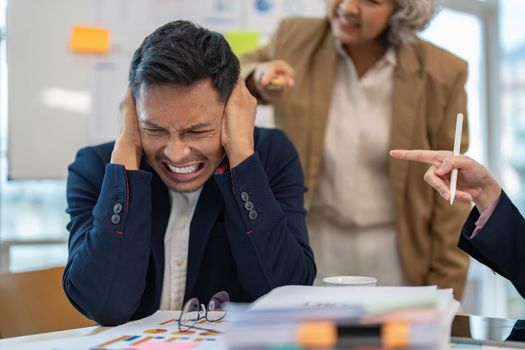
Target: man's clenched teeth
[(184, 170)]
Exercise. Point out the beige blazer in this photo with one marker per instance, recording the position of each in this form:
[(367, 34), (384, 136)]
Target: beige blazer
[(428, 93)]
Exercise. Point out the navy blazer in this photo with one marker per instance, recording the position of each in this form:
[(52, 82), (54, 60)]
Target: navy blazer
[(501, 242), (118, 221)]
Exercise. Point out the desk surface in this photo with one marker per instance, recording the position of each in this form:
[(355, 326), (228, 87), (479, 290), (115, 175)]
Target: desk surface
[(15, 342), (470, 332)]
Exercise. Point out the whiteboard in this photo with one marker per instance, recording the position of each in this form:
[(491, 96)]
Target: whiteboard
[(60, 101), (42, 137)]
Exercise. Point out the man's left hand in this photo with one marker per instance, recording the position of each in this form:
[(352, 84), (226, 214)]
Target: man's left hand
[(238, 124)]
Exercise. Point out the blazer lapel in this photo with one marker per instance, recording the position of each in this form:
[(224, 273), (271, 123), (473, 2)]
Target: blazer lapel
[(323, 69), (160, 213), (209, 206), (408, 87)]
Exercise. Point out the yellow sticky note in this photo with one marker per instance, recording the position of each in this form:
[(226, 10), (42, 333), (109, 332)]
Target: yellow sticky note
[(89, 39), (242, 41)]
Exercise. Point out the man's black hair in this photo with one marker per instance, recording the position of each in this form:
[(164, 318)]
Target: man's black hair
[(181, 53)]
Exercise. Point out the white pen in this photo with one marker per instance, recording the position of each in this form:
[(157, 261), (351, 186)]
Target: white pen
[(457, 145)]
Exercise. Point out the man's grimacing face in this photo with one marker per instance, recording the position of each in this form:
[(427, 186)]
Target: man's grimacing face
[(180, 129)]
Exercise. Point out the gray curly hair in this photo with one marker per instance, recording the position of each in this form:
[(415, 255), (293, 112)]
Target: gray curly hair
[(409, 18)]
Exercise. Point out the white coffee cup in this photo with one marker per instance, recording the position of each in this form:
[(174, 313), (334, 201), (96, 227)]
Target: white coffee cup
[(349, 281)]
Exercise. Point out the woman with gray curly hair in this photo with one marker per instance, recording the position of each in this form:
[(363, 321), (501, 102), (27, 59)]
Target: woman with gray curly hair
[(348, 88)]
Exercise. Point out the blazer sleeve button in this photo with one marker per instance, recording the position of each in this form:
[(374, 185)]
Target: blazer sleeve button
[(115, 219), (248, 205), (117, 208)]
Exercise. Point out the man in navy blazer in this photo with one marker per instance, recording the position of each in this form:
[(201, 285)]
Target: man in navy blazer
[(191, 199), (500, 242), (494, 233)]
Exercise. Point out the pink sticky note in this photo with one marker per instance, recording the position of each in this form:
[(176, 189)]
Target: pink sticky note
[(164, 346)]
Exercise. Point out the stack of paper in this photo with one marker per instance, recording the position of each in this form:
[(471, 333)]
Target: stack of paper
[(387, 317)]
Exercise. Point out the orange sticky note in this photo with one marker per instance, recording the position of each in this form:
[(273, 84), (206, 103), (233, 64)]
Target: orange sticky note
[(396, 334), (89, 39)]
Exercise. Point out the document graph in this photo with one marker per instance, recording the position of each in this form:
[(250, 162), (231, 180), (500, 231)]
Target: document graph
[(128, 336)]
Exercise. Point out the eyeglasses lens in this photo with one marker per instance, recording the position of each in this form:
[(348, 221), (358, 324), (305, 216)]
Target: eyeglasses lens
[(216, 306), (189, 314)]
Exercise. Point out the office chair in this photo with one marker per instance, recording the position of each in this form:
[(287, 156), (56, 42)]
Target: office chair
[(34, 302)]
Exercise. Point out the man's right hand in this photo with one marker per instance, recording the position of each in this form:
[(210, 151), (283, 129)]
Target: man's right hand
[(128, 146), (274, 78)]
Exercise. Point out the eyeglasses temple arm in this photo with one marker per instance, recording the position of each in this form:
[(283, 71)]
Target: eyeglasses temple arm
[(205, 329)]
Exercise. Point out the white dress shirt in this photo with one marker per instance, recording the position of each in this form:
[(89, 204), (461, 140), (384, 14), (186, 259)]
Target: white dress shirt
[(352, 218), (176, 244)]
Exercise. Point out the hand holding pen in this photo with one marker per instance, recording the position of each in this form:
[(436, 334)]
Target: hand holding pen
[(274, 78), (474, 182)]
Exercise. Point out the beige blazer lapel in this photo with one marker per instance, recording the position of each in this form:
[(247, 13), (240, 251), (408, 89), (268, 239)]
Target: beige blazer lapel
[(322, 69), (407, 99)]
